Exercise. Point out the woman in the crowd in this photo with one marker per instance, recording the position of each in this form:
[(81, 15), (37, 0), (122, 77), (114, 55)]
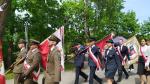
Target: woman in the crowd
[(141, 62), (148, 42), (147, 64), (112, 62)]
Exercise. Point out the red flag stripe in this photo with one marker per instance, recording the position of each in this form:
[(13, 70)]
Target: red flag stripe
[(102, 42), (44, 50), (2, 76)]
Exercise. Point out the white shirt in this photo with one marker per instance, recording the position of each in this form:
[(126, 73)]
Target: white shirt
[(148, 49), (121, 47), (144, 50), (109, 50)]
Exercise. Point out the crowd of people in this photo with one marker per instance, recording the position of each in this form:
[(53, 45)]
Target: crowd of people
[(113, 59), (27, 66)]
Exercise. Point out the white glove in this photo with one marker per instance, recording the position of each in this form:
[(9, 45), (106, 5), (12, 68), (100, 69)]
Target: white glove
[(147, 64)]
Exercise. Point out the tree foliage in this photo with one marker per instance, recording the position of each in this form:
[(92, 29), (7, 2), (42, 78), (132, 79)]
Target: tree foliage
[(82, 19), (145, 29)]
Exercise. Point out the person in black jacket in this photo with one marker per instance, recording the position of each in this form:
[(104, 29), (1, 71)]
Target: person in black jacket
[(112, 62), (92, 64), (79, 62), (123, 52)]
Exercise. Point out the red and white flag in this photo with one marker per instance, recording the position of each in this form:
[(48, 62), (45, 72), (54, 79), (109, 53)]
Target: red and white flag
[(2, 75), (44, 47), (101, 44)]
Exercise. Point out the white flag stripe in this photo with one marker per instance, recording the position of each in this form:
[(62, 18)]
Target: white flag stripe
[(60, 34), (2, 70)]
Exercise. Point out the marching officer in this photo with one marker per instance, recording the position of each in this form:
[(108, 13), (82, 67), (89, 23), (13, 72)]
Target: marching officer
[(93, 65), (32, 63), (19, 60), (53, 68), (123, 52), (112, 62), (79, 62)]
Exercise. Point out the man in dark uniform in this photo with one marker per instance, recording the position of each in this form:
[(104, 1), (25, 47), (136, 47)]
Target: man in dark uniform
[(53, 67), (93, 66), (31, 63), (19, 60), (79, 61), (123, 52)]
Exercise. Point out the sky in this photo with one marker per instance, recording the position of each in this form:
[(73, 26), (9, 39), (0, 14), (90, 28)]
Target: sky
[(140, 7)]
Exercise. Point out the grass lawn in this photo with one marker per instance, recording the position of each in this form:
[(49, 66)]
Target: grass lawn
[(9, 76)]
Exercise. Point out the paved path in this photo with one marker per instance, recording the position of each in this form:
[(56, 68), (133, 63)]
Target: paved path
[(69, 76)]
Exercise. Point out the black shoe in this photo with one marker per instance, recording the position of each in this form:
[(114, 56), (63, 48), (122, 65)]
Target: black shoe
[(86, 80), (127, 77), (114, 82)]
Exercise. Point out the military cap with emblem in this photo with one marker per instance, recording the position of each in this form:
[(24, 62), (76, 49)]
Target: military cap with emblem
[(54, 38), (34, 42), (21, 41)]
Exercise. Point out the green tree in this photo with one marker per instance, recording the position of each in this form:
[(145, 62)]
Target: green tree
[(78, 24), (111, 18), (41, 17), (145, 28), (82, 19)]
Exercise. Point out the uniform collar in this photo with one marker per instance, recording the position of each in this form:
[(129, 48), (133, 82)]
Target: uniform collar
[(110, 48), (93, 46), (52, 48), (22, 49), (34, 49)]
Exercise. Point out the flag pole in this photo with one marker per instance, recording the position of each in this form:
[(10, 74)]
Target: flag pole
[(26, 35), (26, 19)]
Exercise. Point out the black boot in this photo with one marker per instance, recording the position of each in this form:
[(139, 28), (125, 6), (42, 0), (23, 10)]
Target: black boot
[(127, 76), (119, 78)]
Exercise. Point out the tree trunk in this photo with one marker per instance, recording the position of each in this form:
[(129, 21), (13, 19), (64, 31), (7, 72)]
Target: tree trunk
[(86, 29), (2, 16)]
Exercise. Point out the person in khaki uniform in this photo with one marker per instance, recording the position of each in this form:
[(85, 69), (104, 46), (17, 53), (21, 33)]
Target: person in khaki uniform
[(32, 59), (19, 60), (53, 68)]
